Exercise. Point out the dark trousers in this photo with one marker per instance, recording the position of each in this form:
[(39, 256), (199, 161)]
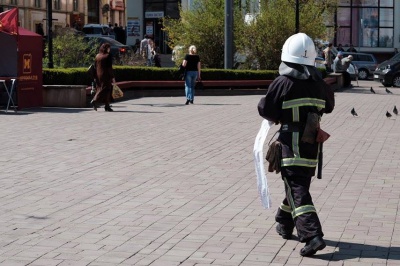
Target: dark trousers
[(328, 68), (346, 79), (297, 209)]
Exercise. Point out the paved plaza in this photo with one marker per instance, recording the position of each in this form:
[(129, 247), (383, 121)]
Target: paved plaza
[(160, 183)]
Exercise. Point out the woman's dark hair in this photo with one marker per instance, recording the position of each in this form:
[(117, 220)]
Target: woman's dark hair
[(104, 47)]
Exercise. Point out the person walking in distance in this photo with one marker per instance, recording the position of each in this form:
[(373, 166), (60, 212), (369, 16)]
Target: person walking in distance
[(328, 57), (156, 55), (192, 66), (104, 78), (340, 65), (296, 100), (346, 61), (150, 52), (144, 46)]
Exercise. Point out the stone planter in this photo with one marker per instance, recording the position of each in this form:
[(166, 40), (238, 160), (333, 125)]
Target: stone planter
[(64, 96), (339, 80)]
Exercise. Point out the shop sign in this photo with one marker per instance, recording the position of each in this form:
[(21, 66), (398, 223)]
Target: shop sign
[(117, 5), (157, 14)]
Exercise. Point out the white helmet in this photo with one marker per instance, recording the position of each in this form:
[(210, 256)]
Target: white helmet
[(299, 49)]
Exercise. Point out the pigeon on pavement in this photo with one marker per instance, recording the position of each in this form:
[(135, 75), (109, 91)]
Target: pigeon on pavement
[(388, 115), (372, 90), (353, 112), (388, 91), (395, 110)]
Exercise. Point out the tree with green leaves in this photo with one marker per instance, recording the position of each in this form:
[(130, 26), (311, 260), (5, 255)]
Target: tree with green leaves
[(259, 40), (264, 36), (202, 26), (71, 50)]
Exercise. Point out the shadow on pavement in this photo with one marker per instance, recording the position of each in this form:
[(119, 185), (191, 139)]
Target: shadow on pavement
[(160, 105), (66, 111), (53, 110), (3, 112), (180, 105), (219, 104), (139, 112), (349, 250)]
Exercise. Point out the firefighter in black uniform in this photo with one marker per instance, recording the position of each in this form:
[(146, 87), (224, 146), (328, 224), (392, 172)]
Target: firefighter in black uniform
[(293, 99)]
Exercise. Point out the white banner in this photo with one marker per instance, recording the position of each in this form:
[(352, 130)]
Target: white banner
[(262, 184)]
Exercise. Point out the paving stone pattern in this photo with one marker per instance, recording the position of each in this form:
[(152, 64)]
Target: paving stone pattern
[(161, 183)]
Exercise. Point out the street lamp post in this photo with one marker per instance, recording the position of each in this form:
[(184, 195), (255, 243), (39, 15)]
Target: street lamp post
[(228, 55), (50, 32)]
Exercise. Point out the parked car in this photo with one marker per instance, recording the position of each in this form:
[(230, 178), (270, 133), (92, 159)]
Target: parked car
[(117, 49), (365, 63), (97, 30), (388, 72), (352, 69)]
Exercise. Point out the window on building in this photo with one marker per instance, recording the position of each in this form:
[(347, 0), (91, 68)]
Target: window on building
[(154, 6), (56, 5), (172, 10), (365, 2), (364, 23), (169, 7), (14, 2), (38, 3), (75, 4), (93, 9)]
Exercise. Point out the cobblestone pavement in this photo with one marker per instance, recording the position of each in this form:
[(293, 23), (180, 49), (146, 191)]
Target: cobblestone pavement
[(160, 183)]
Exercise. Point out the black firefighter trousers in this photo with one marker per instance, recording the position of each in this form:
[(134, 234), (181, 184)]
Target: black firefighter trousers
[(297, 209)]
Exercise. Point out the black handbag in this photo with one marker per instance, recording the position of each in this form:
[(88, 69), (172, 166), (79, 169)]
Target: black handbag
[(199, 85), (182, 72)]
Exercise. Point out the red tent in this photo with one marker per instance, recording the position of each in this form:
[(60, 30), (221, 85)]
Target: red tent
[(21, 56)]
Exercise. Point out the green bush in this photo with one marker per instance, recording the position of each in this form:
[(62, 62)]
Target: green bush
[(79, 76), (66, 76)]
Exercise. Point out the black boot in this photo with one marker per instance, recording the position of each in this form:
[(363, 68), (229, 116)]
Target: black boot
[(94, 105), (187, 102), (312, 246), (107, 108)]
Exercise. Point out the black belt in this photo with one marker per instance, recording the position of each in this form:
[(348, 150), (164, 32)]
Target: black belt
[(292, 127)]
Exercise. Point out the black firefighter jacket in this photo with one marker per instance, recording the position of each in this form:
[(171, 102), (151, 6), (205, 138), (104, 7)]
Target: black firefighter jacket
[(290, 100)]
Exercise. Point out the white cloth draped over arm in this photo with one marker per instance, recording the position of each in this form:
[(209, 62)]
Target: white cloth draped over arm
[(262, 183)]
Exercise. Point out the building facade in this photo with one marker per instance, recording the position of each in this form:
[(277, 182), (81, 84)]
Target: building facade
[(66, 13), (144, 17), (370, 25)]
